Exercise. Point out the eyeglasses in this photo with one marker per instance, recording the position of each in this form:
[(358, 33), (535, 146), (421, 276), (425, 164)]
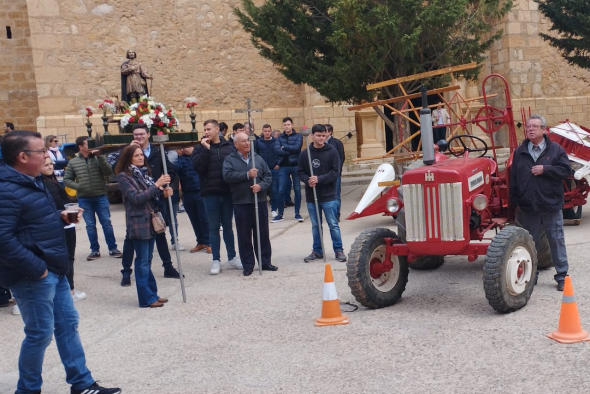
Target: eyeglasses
[(35, 151)]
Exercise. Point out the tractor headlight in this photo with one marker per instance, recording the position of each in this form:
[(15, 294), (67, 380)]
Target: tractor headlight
[(393, 205), (479, 202)]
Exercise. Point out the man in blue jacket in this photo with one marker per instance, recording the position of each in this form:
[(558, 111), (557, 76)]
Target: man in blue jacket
[(265, 147), (326, 167), (538, 169), (288, 149), (34, 262)]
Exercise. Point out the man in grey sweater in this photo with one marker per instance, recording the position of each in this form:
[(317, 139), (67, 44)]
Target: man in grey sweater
[(85, 174), (239, 173)]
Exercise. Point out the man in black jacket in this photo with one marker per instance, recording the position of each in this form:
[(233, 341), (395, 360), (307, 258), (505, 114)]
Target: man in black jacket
[(326, 166), (208, 161), (336, 143), (141, 137), (538, 169), (239, 172), (288, 149)]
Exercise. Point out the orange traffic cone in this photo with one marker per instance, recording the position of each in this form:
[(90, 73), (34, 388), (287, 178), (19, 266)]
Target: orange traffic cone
[(569, 329), (331, 314)]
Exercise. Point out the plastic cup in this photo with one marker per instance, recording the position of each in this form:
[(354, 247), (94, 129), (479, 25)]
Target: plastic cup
[(72, 211)]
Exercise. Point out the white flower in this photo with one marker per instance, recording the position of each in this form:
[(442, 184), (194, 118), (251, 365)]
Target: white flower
[(161, 115), (132, 113), (151, 104), (134, 106), (125, 120), (190, 99), (147, 120)]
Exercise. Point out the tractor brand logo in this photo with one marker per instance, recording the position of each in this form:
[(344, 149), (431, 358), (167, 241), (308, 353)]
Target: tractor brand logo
[(316, 163), (475, 181), (429, 177)]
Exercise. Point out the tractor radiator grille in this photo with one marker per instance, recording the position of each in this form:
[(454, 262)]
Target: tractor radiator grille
[(433, 212)]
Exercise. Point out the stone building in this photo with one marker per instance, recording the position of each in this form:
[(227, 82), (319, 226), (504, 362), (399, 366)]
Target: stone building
[(61, 55)]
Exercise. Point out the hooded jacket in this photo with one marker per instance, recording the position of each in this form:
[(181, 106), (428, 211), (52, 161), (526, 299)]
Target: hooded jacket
[(541, 193), (31, 229), (326, 166)]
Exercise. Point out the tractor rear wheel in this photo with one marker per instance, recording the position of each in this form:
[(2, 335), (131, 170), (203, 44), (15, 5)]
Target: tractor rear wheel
[(509, 269), (423, 262), (371, 281)]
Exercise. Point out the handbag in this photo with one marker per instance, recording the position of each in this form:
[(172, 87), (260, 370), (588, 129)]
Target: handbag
[(158, 223)]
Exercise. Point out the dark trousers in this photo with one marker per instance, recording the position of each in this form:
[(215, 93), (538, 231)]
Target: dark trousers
[(5, 295), (161, 245), (71, 244), (552, 222), (197, 213), (439, 133), (245, 215)]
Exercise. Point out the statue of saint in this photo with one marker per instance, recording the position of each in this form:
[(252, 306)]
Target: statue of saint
[(133, 79)]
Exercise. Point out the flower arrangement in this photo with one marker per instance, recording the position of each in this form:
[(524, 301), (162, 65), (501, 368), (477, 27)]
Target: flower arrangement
[(154, 115), (87, 112), (191, 103), (106, 104)]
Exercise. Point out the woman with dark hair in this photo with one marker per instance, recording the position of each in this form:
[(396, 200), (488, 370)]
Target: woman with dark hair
[(140, 196), (61, 198)]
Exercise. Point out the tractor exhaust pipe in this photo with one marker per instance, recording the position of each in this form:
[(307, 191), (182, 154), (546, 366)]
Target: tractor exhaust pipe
[(426, 130)]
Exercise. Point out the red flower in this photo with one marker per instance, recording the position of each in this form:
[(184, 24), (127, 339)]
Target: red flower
[(169, 113), (132, 119), (108, 101), (126, 111), (170, 124), (161, 124), (140, 121), (100, 105), (157, 111)]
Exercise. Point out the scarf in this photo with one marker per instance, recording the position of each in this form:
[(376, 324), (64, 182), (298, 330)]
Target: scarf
[(55, 154), (141, 174)]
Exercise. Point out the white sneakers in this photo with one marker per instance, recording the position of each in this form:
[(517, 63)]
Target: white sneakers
[(78, 295), (235, 264), (215, 267), (274, 214), (15, 310), (180, 247)]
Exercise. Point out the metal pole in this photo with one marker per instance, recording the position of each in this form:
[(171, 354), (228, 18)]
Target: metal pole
[(305, 132), (161, 139), (252, 139)]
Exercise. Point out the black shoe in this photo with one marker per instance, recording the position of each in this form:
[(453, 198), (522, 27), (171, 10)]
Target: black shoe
[(289, 204), (126, 281), (170, 272), (313, 256), (248, 271), (270, 267), (340, 256), (115, 253), (560, 285), (93, 256), (95, 389)]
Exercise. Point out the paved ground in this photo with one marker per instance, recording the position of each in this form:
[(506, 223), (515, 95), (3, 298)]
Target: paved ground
[(256, 334)]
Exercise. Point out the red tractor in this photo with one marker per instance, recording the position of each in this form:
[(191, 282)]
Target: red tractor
[(451, 207)]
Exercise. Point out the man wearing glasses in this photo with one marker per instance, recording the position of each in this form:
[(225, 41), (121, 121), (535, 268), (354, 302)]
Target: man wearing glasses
[(85, 174), (538, 169), (34, 262)]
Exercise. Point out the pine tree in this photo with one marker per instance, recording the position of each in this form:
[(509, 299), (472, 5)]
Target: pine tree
[(340, 46), (571, 20)]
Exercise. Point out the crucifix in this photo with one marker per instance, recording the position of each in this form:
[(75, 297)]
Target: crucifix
[(249, 111)]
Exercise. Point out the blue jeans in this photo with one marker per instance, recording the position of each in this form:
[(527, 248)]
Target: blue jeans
[(97, 206), (197, 214), (147, 289), (220, 210), (329, 209), (275, 195), (288, 176), (47, 309)]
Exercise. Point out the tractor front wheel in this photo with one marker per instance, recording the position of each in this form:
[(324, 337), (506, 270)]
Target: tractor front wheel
[(509, 269), (374, 281)]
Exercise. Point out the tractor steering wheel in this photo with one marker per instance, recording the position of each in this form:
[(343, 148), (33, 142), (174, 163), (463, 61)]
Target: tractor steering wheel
[(460, 140)]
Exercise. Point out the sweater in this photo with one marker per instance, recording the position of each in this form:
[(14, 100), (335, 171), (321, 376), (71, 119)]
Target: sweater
[(235, 173), (326, 166)]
